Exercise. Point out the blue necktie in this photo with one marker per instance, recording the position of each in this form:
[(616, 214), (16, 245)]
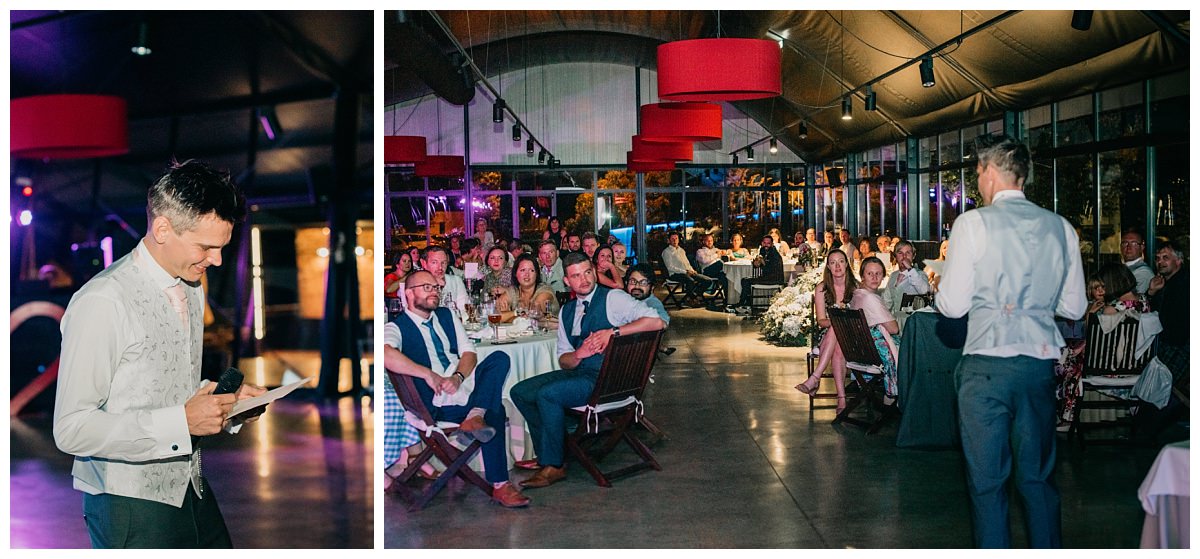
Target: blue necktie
[(437, 345)]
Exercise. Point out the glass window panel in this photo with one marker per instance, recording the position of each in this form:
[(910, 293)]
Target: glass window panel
[(1077, 202), (1075, 121), (1172, 208), (446, 215), (1037, 128), (534, 215), (576, 211), (949, 148), (497, 210), (969, 134), (1039, 187), (404, 181), (1122, 198), (410, 221), (996, 126), (932, 190), (1121, 112), (1170, 112), (491, 180)]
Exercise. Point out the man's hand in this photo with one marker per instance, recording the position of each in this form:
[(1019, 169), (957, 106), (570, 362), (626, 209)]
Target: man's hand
[(250, 391), (1156, 283), (450, 384), (435, 382), (206, 411), (597, 342)]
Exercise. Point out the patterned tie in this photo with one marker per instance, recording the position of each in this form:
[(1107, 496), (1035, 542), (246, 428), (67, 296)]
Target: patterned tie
[(178, 299), (437, 345)]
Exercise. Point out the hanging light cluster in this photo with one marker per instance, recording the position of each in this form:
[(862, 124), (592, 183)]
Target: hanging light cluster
[(411, 150)]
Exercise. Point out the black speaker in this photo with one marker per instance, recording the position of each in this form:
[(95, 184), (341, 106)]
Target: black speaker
[(835, 176)]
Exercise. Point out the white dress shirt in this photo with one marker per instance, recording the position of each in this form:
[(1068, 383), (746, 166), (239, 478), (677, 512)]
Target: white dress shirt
[(620, 308), (393, 337), (705, 256), (676, 261), (128, 365), (454, 295), (969, 245)]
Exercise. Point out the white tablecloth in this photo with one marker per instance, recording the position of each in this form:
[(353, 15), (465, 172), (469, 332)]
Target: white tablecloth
[(1165, 495), (738, 269), (530, 356)]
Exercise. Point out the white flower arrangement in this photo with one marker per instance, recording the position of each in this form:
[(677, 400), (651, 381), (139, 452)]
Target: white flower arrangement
[(789, 321)]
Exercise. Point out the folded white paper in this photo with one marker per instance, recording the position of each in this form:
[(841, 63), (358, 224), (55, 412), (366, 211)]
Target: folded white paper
[(267, 397)]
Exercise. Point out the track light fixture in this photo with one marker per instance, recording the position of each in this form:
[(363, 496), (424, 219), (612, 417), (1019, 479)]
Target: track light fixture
[(869, 104), (498, 111), (735, 159), (516, 132), (927, 71), (529, 147), (774, 147), (847, 107), (802, 131), (749, 154), (1081, 19), (142, 48), (542, 157)]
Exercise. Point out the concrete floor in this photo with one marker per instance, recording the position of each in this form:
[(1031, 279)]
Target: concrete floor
[(300, 477), (745, 467)]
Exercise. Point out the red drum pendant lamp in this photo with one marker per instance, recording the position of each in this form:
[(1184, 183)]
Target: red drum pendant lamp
[(724, 69), (661, 151), (68, 126), (646, 165), (681, 122), (441, 166), (403, 149)]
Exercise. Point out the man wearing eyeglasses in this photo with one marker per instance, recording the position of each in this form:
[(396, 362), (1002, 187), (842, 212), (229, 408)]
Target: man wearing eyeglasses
[(1132, 248), (427, 342), (585, 326), (639, 284)]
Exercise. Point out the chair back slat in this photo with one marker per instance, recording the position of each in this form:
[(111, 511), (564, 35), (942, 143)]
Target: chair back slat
[(854, 336), (628, 360), (1113, 352), (406, 391)]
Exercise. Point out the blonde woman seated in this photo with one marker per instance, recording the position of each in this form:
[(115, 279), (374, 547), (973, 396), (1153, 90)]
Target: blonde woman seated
[(736, 251), (835, 290), (527, 292), (883, 328)]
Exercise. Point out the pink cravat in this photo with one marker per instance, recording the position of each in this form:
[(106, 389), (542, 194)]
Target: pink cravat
[(178, 299)]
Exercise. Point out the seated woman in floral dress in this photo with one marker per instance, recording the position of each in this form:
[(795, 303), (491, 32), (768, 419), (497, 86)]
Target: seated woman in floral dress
[(835, 290), (1111, 290), (884, 328)]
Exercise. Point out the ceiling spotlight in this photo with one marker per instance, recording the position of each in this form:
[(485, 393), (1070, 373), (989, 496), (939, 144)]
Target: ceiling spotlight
[(802, 131), (870, 102), (498, 111), (927, 71), (735, 159), (749, 154), (541, 157), (142, 48), (774, 147), (516, 132), (529, 147), (847, 107), (1081, 19)]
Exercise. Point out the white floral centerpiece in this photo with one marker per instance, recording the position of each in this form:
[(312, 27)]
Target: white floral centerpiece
[(789, 320)]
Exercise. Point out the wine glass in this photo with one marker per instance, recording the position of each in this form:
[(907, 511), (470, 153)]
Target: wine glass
[(493, 319), (535, 316)]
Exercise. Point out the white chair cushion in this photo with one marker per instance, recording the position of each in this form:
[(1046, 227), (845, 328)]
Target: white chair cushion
[(1110, 380)]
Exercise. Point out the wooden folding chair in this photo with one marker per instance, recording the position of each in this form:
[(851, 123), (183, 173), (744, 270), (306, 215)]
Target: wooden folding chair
[(761, 291), (811, 360), (676, 291), (613, 407), (862, 359), (435, 435), (1110, 365)]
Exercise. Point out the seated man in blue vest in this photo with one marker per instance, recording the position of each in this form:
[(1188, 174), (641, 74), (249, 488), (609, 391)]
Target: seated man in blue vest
[(428, 342), (585, 326)]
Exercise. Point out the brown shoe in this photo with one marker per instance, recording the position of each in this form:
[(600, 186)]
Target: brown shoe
[(544, 477), (508, 496), (473, 428), (531, 464)]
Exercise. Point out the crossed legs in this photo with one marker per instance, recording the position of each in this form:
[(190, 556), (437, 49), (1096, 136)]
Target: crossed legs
[(831, 354)]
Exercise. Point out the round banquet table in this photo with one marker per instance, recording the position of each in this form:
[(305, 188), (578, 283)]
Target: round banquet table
[(529, 356), (735, 270)]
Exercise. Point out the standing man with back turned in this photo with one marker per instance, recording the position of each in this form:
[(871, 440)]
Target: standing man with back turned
[(1011, 267), (130, 399)]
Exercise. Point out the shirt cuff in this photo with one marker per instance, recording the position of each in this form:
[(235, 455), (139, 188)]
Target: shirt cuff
[(171, 434)]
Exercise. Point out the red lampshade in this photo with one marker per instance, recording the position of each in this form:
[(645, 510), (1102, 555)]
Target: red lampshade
[(68, 126), (661, 151), (719, 70), (647, 166), (680, 122), (442, 166), (403, 149)]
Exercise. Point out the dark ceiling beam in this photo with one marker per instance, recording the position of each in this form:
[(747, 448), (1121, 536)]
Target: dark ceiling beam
[(312, 92), (315, 141), (312, 56), (1166, 26)]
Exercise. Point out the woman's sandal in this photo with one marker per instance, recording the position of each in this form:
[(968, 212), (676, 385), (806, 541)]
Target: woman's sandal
[(806, 389)]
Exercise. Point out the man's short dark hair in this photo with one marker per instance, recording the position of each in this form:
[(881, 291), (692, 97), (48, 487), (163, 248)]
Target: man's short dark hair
[(191, 190), (470, 244), (644, 269), (573, 258), (1004, 153), (572, 234), (1132, 231), (590, 235), (434, 248)]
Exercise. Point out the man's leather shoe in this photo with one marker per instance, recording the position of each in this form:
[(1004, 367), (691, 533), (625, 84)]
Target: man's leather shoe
[(531, 464), (473, 428), (508, 496), (544, 477)]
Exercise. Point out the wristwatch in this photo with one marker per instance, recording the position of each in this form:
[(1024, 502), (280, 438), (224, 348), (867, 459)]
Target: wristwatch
[(461, 377), (616, 331)]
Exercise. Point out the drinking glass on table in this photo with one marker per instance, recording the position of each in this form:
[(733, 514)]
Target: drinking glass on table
[(494, 319)]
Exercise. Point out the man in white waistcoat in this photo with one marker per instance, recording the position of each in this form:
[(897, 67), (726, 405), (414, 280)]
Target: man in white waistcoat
[(130, 401), (1011, 267)]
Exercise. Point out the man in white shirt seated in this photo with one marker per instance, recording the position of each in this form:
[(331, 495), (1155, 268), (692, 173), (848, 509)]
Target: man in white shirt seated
[(552, 272), (130, 404), (586, 324), (435, 259), (810, 239), (905, 280), (428, 342), (1133, 246), (848, 246), (709, 260), (679, 269)]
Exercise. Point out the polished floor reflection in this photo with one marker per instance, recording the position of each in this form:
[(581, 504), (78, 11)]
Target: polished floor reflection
[(745, 466), (301, 477)]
